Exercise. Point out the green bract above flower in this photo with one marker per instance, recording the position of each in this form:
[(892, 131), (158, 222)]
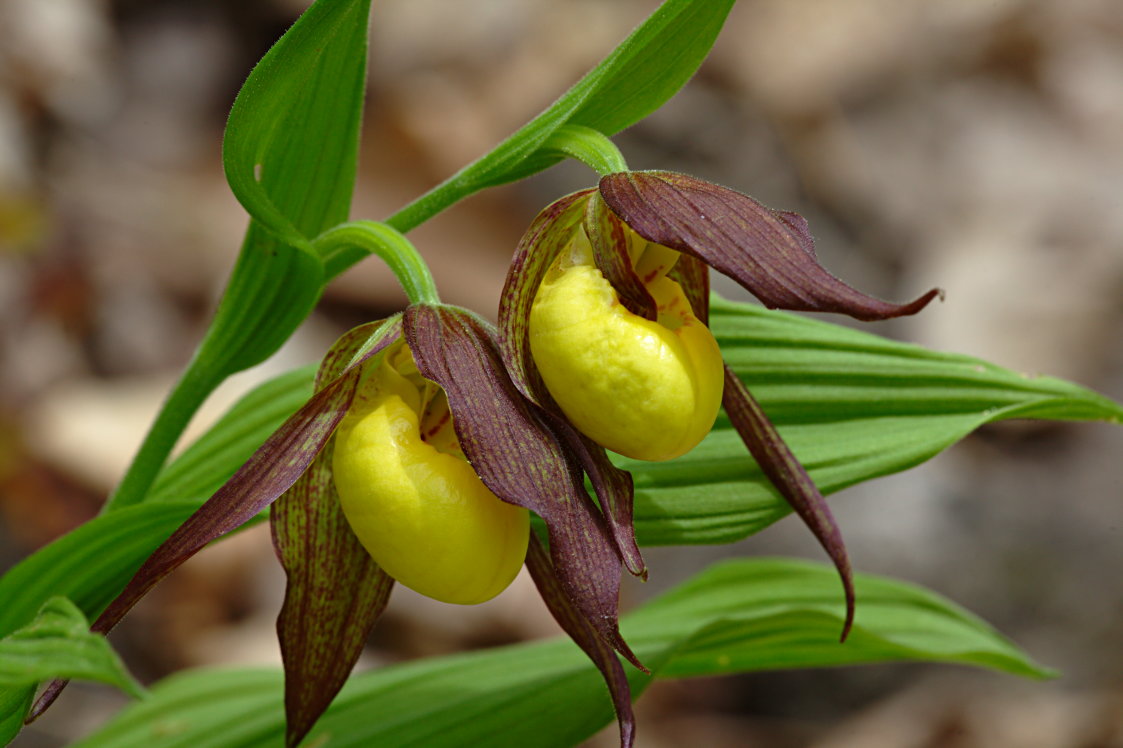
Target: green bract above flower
[(603, 320)]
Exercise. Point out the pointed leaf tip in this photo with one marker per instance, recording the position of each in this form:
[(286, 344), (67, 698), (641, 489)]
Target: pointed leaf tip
[(770, 253)]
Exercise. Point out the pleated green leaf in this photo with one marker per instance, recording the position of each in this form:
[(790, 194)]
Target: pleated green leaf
[(58, 644), (736, 617), (90, 564), (204, 466), (852, 406)]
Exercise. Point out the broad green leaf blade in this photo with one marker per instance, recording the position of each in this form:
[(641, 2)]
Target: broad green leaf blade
[(765, 614), (292, 139), (636, 78), (209, 461), (58, 644), (852, 406), (89, 565), (14, 704), (297, 118), (739, 616)]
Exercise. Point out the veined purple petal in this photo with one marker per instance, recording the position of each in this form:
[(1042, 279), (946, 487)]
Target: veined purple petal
[(272, 469), (577, 626), (550, 232), (609, 240), (770, 253), (335, 592), (519, 458), (790, 479), (613, 487)]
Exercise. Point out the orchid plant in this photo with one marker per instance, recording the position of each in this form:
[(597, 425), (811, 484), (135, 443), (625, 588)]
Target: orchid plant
[(434, 450)]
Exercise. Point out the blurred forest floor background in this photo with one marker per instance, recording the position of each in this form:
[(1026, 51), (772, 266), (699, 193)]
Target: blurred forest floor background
[(973, 145)]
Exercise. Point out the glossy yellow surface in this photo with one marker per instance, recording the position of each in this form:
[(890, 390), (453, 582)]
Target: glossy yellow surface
[(413, 500), (646, 389)]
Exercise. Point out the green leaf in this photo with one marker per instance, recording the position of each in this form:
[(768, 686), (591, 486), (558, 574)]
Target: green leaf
[(14, 705), (764, 614), (204, 466), (736, 617), (58, 644), (292, 139), (90, 564), (290, 154), (638, 77), (851, 405)]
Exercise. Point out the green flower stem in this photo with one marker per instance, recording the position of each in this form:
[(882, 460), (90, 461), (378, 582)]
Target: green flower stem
[(389, 245), (590, 147), (436, 200)]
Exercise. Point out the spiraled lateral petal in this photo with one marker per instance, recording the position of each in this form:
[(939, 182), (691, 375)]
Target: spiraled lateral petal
[(578, 628), (548, 235), (269, 472), (613, 486), (790, 479), (519, 458), (334, 592), (609, 239), (770, 253)]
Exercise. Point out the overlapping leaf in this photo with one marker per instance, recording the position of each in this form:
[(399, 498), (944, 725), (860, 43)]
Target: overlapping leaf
[(290, 154), (851, 405), (58, 644), (736, 617)]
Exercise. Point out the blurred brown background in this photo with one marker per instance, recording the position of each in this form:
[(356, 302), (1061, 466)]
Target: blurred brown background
[(973, 145)]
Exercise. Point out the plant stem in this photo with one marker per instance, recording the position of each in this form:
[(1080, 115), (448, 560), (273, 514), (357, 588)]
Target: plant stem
[(391, 247), (196, 384), (590, 147)]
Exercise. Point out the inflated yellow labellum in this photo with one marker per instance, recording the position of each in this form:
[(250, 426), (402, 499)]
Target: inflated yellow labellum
[(648, 389), (413, 500)]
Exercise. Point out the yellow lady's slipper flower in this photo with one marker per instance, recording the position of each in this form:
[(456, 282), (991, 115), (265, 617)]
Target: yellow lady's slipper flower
[(413, 500), (604, 313), (647, 389)]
